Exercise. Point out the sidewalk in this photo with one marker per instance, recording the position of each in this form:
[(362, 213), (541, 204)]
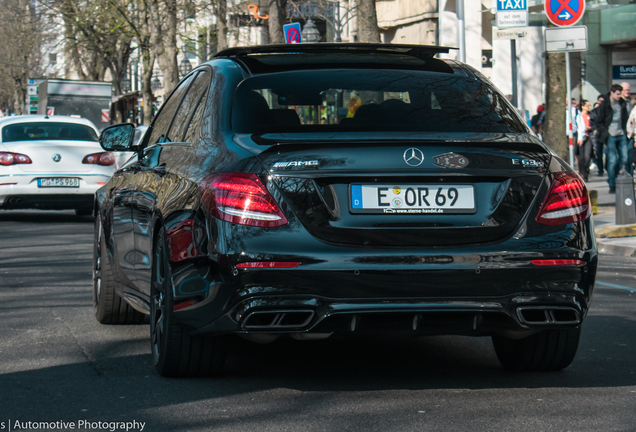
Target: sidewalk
[(616, 239)]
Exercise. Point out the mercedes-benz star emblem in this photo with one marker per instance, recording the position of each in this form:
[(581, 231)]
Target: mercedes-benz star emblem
[(413, 157), (57, 157)]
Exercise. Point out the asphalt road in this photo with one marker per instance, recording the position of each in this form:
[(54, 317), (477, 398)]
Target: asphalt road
[(58, 364)]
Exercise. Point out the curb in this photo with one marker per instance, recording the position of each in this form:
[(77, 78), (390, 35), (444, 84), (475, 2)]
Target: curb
[(612, 249), (616, 231)]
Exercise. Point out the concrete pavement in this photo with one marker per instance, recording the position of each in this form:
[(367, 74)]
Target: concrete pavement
[(611, 238)]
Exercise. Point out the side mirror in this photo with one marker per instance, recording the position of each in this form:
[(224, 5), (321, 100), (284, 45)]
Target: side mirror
[(118, 137)]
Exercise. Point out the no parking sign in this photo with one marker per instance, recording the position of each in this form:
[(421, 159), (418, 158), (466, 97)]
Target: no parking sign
[(292, 33), (564, 12)]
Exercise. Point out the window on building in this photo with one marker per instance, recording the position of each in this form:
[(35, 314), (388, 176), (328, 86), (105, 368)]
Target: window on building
[(190, 10), (53, 58)]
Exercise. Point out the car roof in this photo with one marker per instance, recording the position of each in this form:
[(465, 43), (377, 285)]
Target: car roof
[(42, 118), (286, 57)]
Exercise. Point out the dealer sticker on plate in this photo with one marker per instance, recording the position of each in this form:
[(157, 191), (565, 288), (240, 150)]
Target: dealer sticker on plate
[(412, 199), (58, 182)]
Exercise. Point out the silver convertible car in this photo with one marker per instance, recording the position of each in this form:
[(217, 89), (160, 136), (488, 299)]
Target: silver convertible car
[(51, 163)]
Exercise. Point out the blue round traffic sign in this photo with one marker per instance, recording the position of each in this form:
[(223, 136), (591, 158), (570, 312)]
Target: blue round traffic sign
[(564, 12), (293, 36), (292, 33)]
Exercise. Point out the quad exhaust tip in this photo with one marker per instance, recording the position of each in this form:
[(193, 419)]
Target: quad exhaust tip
[(278, 320), (548, 315)]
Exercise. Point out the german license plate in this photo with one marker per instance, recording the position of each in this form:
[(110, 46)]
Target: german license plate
[(412, 199), (58, 182)]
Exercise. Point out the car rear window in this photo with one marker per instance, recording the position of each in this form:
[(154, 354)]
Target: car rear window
[(369, 100), (43, 131)]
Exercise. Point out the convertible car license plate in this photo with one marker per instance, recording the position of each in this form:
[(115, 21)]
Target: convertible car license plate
[(412, 199), (58, 182)]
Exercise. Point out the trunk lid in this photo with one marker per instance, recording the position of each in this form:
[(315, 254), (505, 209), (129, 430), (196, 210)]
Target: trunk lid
[(495, 184), (71, 154)]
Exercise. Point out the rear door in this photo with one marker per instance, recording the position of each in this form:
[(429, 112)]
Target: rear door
[(166, 143)]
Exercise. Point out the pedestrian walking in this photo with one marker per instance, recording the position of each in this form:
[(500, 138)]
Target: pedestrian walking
[(612, 123), (626, 95), (571, 115), (584, 144), (536, 123), (631, 129), (599, 160)]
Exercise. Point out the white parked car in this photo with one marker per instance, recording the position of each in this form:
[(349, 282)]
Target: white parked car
[(51, 163)]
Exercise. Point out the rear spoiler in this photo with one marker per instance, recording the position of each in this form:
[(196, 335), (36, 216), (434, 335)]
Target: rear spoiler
[(419, 51)]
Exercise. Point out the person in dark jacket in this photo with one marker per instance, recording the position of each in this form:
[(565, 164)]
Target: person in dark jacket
[(611, 125)]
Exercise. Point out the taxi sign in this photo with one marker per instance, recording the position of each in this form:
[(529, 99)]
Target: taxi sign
[(564, 12), (292, 33), (512, 13)]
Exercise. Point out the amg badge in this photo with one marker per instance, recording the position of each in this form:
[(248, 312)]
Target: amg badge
[(311, 163)]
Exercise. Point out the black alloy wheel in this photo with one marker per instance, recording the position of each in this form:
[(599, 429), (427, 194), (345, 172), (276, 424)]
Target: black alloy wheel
[(157, 300), (175, 352), (97, 262), (109, 308), (549, 350)]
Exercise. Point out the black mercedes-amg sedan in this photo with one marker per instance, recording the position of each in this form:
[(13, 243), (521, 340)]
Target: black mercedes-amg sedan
[(339, 190)]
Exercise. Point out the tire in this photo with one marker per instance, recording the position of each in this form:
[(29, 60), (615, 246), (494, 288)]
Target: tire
[(550, 350), (109, 308), (175, 352), (85, 211)]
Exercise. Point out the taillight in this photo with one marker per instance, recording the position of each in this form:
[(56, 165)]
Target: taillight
[(567, 201), (104, 158), (7, 158), (241, 198), (557, 262), (182, 305), (268, 264)]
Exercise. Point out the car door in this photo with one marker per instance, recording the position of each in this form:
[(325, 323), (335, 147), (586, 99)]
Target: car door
[(122, 197), (153, 170)]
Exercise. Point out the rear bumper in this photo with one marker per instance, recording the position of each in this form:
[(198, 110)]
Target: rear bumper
[(511, 315), (470, 301), (22, 192)]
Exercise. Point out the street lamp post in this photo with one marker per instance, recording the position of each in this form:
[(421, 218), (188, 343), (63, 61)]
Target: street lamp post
[(310, 33)]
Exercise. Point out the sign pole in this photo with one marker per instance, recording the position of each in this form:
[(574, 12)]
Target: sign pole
[(513, 63), (513, 15), (568, 113), (461, 31)]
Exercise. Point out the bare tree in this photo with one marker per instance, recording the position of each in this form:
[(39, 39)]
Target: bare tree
[(276, 21), (98, 38), (221, 24), (367, 19), (163, 30), (556, 104), (21, 36), (138, 18)]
